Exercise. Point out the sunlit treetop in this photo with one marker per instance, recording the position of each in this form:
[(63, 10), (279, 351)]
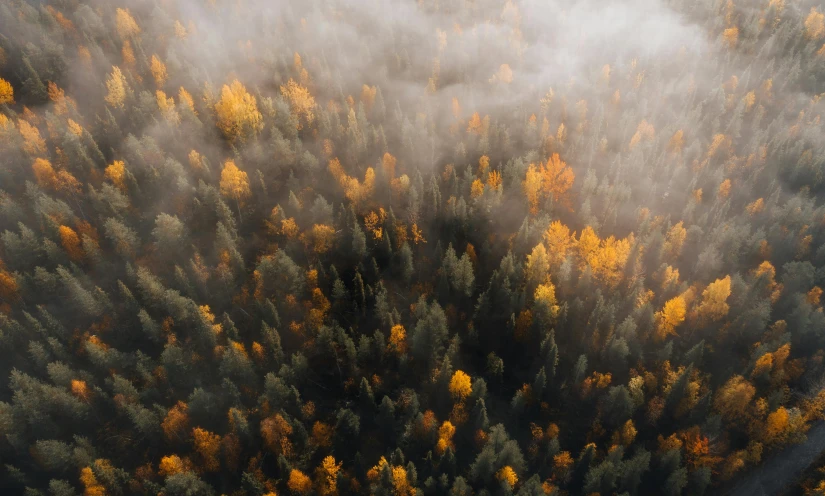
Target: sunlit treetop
[(6, 92), (237, 113), (126, 25)]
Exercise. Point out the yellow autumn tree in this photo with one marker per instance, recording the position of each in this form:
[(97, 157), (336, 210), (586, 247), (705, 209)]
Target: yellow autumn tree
[(48, 178), (460, 386), (476, 125), (400, 482), (724, 189), (167, 107), (6, 92), (326, 476), (300, 101), (116, 172), (368, 96), (74, 128), (644, 132), (235, 184), (275, 431), (321, 237), (90, 483), (494, 180), (171, 465), (561, 133), (677, 141), (733, 398), (731, 36), (503, 75), (606, 258), (670, 317), (627, 434), (507, 475), (551, 180), (128, 55), (545, 295), (116, 88), (176, 423), (675, 239), (537, 268), (44, 173), (714, 300), (80, 389), (237, 113), (71, 243), (61, 101), (298, 482), (815, 24), (763, 365), (125, 24), (445, 437), (375, 471), (208, 447), (186, 100), (587, 245), (8, 285), (180, 30), (559, 241), (355, 191), (388, 163), (398, 340), (562, 464), (33, 143), (557, 179), (776, 426), (322, 434), (608, 262), (158, 69), (755, 207), (532, 188)]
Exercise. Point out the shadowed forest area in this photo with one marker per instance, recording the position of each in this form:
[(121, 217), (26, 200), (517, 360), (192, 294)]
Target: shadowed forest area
[(409, 247)]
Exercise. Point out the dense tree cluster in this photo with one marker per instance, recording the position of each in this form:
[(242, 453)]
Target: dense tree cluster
[(232, 262)]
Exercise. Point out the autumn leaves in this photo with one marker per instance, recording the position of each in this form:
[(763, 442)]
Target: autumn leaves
[(237, 113), (712, 307)]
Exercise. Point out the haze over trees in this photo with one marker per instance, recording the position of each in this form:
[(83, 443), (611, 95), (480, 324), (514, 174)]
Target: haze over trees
[(408, 248)]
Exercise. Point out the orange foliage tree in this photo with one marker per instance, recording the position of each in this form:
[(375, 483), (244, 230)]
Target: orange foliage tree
[(125, 24), (237, 113), (33, 143), (235, 184), (71, 243), (176, 422), (158, 69), (669, 318), (327, 476), (208, 447), (714, 300), (507, 475), (398, 340), (460, 386), (606, 258), (6, 92), (275, 431), (551, 180), (733, 398), (357, 192), (47, 178), (301, 102), (116, 88), (298, 482), (559, 241)]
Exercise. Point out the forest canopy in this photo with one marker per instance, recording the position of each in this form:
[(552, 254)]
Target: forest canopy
[(397, 247)]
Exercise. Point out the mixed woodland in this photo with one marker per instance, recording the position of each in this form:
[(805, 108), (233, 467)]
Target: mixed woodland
[(238, 259)]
